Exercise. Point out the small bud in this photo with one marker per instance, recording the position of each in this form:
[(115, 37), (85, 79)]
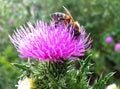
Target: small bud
[(26, 83), (112, 86)]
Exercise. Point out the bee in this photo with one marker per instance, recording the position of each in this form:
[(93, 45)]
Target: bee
[(66, 19)]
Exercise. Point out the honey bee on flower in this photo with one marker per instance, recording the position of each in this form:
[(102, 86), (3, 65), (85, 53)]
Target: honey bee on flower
[(66, 19)]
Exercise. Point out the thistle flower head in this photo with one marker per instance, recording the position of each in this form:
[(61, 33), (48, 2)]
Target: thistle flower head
[(49, 43), (109, 39), (117, 47), (10, 21)]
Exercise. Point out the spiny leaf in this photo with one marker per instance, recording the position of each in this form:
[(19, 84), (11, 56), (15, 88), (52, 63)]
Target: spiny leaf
[(102, 81), (21, 66), (85, 63)]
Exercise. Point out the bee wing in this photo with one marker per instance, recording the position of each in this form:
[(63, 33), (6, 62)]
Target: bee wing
[(67, 12)]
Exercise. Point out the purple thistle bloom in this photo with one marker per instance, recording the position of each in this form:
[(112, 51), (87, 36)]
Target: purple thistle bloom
[(117, 47), (46, 43), (109, 39), (10, 21)]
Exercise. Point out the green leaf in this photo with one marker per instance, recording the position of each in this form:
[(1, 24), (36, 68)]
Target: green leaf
[(85, 64), (21, 66), (102, 81)]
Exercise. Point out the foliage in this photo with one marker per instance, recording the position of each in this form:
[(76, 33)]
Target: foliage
[(62, 75), (7, 72)]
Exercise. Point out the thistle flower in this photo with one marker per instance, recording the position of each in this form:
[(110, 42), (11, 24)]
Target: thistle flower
[(49, 43), (10, 21), (26, 83), (117, 47), (109, 39)]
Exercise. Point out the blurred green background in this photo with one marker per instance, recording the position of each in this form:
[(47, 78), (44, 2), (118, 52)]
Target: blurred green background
[(101, 18)]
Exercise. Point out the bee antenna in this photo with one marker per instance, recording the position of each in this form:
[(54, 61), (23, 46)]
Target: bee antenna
[(64, 7), (67, 12)]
